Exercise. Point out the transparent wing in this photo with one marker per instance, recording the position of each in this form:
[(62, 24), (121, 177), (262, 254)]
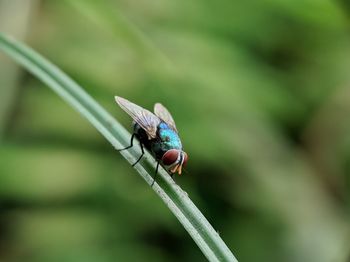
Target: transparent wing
[(164, 114), (146, 119)]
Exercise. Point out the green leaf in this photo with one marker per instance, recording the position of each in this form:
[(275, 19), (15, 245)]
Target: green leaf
[(173, 196)]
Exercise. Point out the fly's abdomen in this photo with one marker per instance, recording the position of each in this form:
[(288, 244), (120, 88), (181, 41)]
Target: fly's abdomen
[(142, 136)]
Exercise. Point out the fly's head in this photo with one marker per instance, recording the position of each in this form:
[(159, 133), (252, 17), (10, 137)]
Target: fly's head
[(174, 160)]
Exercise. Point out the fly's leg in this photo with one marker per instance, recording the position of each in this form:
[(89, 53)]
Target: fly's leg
[(155, 174), (131, 143), (143, 152)]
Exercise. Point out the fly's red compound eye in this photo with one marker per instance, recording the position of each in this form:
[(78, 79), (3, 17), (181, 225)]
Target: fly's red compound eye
[(170, 157), (185, 160)]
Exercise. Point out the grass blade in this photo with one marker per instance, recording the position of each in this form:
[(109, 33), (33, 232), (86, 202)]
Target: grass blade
[(174, 197)]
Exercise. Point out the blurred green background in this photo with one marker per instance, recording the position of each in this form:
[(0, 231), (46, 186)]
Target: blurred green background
[(259, 89)]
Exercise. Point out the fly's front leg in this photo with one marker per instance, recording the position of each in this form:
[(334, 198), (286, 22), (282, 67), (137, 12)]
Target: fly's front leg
[(143, 152), (131, 143), (155, 174)]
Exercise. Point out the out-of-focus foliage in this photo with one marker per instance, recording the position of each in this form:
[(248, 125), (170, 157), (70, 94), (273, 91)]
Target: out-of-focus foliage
[(260, 91)]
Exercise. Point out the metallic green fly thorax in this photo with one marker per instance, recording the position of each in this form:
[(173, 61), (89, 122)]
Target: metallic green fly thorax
[(169, 138)]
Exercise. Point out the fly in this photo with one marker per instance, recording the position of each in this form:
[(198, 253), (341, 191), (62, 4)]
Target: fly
[(157, 133)]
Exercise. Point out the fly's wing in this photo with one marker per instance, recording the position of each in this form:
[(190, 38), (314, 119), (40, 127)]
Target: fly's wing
[(146, 119), (164, 114)]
